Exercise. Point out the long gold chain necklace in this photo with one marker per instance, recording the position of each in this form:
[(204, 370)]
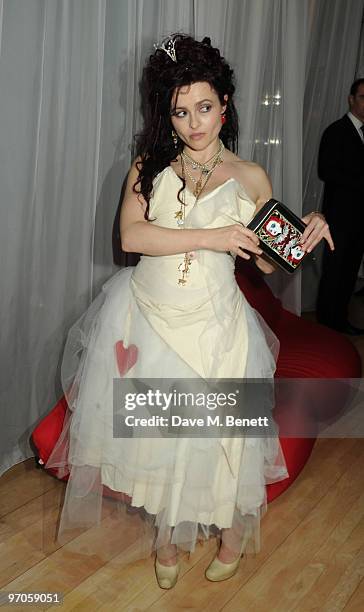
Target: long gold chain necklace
[(180, 215)]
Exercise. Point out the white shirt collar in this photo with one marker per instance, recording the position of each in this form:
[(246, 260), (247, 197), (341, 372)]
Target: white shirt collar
[(355, 120)]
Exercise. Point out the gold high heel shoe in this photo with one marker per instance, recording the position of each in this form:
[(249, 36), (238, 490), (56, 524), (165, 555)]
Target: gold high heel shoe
[(217, 570), (166, 574)]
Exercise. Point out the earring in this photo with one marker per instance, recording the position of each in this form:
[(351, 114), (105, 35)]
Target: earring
[(223, 118), (175, 139)]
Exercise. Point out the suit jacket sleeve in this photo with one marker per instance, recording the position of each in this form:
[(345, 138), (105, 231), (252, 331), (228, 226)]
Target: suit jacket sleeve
[(335, 159)]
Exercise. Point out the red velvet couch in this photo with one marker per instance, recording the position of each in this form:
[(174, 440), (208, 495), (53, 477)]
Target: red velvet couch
[(307, 350)]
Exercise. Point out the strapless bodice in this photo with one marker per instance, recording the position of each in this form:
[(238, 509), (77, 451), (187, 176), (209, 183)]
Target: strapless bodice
[(225, 205)]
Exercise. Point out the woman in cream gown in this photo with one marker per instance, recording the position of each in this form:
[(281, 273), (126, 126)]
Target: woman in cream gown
[(154, 322)]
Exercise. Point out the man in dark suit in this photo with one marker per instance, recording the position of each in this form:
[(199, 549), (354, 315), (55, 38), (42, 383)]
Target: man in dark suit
[(341, 167)]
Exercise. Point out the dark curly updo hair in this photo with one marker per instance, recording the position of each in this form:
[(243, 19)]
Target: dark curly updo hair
[(196, 62)]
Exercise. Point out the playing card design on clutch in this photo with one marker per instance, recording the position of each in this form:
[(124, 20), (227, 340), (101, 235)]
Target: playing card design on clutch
[(279, 231)]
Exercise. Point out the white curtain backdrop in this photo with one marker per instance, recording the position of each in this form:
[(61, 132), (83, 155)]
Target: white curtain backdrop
[(69, 105), (51, 68), (360, 60), (332, 52)]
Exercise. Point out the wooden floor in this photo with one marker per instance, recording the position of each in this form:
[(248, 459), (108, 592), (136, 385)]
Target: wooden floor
[(312, 555)]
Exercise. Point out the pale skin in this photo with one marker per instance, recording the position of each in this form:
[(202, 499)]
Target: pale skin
[(356, 103), (198, 110)]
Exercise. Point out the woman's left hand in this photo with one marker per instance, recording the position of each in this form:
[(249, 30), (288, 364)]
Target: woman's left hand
[(317, 228)]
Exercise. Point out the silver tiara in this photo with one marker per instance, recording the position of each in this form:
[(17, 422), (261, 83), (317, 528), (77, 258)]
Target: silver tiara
[(168, 45)]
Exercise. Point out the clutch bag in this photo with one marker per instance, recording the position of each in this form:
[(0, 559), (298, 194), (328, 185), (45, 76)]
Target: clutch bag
[(279, 231)]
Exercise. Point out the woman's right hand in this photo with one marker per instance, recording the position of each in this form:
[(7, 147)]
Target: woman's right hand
[(233, 238)]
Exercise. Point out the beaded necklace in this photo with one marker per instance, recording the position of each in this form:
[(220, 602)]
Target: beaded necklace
[(204, 167)]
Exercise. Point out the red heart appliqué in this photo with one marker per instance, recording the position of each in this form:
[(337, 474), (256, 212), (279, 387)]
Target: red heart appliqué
[(125, 357)]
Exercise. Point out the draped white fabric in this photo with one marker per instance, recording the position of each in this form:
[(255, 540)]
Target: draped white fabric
[(69, 104), (51, 68), (332, 65)]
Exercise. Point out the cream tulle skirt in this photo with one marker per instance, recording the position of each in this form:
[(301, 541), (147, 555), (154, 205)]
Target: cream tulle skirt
[(155, 490)]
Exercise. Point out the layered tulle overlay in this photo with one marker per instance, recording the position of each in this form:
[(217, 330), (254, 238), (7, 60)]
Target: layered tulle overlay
[(144, 325)]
